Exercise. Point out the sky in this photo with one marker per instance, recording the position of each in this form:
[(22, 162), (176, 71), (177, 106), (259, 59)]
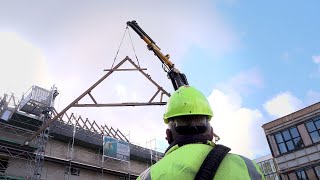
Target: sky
[(254, 61)]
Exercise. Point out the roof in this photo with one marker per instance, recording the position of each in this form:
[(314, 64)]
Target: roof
[(300, 114), (263, 158)]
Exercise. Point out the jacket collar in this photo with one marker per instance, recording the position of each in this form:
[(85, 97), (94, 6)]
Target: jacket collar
[(189, 139)]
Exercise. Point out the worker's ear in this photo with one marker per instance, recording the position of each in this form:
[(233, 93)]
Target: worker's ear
[(211, 133), (169, 137)]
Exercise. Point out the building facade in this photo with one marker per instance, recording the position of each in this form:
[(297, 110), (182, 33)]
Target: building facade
[(268, 167), (294, 141), (71, 148)]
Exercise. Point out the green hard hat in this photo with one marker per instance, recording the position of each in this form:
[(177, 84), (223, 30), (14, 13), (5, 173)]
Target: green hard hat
[(187, 100)]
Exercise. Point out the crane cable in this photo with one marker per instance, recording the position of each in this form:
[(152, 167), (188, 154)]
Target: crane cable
[(164, 66), (135, 54), (119, 47), (133, 48)]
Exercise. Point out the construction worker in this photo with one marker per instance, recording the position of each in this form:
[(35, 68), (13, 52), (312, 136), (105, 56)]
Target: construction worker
[(192, 154)]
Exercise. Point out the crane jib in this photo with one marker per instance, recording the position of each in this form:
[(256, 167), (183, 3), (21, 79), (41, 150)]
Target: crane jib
[(178, 79)]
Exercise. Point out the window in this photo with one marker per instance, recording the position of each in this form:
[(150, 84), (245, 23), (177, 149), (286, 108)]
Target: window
[(263, 168), (288, 140), (72, 170), (272, 177), (301, 175), (272, 165), (268, 169), (314, 129)]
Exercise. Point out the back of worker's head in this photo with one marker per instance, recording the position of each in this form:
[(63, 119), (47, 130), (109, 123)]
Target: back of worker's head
[(188, 113)]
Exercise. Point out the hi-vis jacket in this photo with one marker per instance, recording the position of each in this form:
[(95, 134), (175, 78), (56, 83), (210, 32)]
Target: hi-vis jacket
[(183, 162)]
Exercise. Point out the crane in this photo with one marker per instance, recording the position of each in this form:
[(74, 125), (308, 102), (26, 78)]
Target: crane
[(177, 78)]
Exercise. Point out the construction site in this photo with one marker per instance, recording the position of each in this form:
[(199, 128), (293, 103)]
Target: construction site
[(37, 141), (70, 147)]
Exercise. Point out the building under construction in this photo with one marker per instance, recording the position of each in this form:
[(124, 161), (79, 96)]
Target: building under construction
[(36, 142), (72, 148)]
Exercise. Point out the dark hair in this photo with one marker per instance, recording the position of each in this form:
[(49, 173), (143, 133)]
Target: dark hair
[(189, 124)]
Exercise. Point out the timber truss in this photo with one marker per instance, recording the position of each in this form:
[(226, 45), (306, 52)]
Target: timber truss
[(90, 127), (95, 103)]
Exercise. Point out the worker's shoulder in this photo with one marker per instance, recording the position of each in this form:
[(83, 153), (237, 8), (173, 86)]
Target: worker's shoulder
[(236, 160), (232, 155), (237, 164), (233, 165)]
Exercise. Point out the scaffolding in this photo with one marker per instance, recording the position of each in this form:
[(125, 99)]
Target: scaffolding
[(81, 136), (25, 126), (155, 156)]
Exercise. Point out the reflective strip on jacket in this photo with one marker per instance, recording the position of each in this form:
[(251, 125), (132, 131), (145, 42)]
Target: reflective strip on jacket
[(184, 163)]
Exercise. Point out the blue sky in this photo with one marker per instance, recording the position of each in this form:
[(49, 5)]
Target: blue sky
[(279, 42), (277, 38), (255, 61)]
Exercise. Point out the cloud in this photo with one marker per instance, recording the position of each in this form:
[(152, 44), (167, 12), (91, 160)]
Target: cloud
[(316, 59), (75, 43), (312, 97), (283, 104), (238, 127), (286, 56), (22, 65), (290, 54), (244, 82), (95, 29)]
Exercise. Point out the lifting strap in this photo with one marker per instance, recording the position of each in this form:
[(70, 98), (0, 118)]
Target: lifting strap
[(211, 164)]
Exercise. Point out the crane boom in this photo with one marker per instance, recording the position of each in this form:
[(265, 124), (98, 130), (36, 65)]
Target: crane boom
[(177, 78)]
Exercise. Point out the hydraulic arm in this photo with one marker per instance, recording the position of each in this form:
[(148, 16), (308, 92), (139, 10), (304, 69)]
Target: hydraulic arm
[(177, 78)]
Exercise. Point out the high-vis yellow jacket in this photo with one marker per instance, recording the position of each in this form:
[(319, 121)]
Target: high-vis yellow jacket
[(184, 162)]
